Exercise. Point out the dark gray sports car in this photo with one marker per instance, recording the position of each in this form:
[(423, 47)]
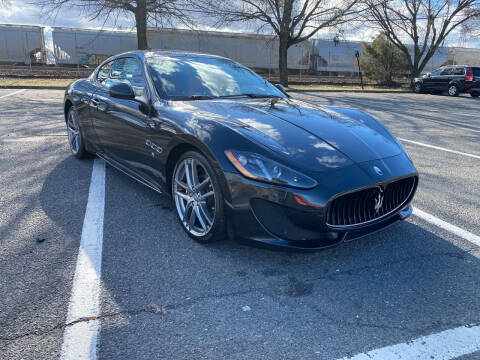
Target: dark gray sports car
[(237, 154)]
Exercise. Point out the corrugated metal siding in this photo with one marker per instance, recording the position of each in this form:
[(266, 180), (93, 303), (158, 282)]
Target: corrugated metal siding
[(17, 41), (82, 46), (464, 56), (78, 46), (341, 57)]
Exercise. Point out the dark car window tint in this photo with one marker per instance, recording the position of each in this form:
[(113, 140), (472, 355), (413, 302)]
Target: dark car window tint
[(476, 72), (459, 71), (128, 70), (103, 72), (447, 71), (184, 77)]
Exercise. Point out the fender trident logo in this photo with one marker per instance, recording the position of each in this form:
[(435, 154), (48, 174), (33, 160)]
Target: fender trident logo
[(379, 200), (153, 146)]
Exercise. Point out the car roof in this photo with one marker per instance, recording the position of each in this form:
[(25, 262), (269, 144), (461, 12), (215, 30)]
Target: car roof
[(169, 53)]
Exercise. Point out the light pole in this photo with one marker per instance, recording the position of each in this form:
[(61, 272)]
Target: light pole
[(357, 55)]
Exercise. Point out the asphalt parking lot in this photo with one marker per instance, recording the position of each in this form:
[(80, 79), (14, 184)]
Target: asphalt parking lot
[(163, 296)]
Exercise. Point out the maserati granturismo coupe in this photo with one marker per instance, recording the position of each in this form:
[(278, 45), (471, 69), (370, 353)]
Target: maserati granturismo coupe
[(238, 155)]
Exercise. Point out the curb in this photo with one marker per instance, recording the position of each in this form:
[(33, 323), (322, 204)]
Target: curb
[(352, 91), (33, 87)]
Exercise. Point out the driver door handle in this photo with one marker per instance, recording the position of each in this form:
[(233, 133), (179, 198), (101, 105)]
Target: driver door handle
[(153, 123), (100, 105)]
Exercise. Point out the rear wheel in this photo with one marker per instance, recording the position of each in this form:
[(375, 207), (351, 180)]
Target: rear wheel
[(417, 87), (75, 139), (474, 94), (453, 90), (198, 198)]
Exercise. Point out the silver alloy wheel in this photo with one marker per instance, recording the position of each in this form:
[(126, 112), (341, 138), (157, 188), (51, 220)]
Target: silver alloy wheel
[(452, 90), (194, 197), (418, 87), (73, 132)]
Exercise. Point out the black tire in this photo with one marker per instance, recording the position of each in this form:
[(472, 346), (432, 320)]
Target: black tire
[(417, 87), (76, 142), (215, 222), (474, 94), (453, 90)]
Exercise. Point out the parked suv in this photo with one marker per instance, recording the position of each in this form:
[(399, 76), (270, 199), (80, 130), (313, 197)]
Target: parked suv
[(454, 79)]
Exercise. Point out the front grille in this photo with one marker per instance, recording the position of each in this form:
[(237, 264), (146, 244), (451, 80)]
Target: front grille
[(370, 204)]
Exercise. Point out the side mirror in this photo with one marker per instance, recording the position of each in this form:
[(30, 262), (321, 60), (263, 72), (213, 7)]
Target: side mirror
[(282, 89), (429, 74), (122, 91)]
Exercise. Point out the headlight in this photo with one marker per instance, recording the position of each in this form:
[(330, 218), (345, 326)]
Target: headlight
[(257, 167)]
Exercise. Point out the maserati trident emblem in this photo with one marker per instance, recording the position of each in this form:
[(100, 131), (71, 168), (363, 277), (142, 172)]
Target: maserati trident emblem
[(379, 200), (378, 170)]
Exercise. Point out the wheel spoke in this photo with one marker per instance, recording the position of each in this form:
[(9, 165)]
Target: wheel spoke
[(192, 217), (204, 183), (73, 140), (195, 180), (200, 218), (181, 184), (205, 213), (188, 208), (188, 173), (207, 195), (182, 195)]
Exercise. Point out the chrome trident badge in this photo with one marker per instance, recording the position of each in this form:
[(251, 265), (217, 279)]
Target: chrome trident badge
[(379, 200)]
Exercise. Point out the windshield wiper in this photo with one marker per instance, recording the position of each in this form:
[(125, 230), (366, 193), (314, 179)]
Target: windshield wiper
[(193, 97), (251, 95)]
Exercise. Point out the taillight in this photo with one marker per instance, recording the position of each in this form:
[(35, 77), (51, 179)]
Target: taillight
[(469, 76)]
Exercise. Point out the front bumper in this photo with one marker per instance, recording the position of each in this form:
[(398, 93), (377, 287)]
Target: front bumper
[(270, 216)]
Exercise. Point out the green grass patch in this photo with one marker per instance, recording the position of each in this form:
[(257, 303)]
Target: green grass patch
[(344, 88), (35, 82)]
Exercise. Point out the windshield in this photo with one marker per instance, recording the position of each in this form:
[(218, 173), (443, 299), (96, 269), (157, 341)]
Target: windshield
[(199, 77)]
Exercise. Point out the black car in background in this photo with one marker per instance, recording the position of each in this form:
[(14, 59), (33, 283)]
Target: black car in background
[(237, 154), (455, 79)]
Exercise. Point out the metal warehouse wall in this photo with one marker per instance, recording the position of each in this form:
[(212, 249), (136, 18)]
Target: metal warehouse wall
[(327, 56), (18, 41), (464, 56)]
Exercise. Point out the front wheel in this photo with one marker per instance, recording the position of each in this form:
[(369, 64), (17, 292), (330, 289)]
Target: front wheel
[(453, 90), (198, 198)]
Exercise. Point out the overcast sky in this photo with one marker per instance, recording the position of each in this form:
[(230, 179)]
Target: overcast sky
[(20, 12)]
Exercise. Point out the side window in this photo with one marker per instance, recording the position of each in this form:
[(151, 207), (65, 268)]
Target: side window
[(459, 71), (103, 72), (436, 72), (476, 72), (447, 71), (128, 70)]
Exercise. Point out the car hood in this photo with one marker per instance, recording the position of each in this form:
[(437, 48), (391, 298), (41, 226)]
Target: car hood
[(313, 137)]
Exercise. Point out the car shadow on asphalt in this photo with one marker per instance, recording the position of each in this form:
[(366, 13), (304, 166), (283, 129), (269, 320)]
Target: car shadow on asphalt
[(166, 296)]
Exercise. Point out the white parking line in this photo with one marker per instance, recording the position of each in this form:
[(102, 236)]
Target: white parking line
[(13, 93), (464, 234), (444, 345), (81, 333), (440, 148)]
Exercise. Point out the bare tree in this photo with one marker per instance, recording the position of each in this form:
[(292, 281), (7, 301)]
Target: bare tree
[(293, 21), (419, 27), (157, 12)]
